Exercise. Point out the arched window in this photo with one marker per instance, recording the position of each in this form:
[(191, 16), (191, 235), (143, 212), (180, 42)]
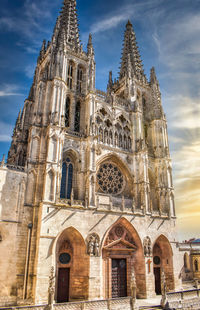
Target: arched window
[(77, 117), (67, 179), (196, 266), (79, 79), (67, 109), (186, 261), (70, 75)]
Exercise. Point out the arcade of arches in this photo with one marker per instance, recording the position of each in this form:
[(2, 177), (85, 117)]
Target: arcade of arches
[(122, 254)]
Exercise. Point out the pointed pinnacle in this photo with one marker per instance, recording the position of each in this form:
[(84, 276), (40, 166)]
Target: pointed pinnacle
[(129, 25)]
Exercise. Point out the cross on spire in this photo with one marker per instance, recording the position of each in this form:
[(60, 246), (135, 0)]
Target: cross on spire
[(131, 59)]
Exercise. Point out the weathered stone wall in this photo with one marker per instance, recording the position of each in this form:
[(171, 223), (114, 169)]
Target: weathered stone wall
[(56, 220), (13, 244)]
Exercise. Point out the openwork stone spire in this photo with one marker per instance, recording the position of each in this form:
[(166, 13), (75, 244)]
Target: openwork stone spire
[(131, 60), (68, 25)]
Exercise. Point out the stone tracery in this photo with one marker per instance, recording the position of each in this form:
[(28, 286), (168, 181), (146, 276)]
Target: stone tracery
[(110, 179), (113, 132)]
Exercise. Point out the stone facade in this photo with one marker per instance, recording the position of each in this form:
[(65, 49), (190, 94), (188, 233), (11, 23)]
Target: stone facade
[(87, 188)]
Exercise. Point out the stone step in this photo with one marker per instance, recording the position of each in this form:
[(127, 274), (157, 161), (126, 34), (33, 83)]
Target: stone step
[(150, 307)]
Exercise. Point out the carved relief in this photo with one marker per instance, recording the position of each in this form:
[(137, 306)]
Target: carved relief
[(93, 243), (118, 233), (147, 246), (66, 246), (51, 289)]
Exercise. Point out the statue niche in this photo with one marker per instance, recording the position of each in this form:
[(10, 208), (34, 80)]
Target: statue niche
[(93, 242), (147, 246)]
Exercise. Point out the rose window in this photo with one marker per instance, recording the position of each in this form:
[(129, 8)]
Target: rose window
[(110, 179)]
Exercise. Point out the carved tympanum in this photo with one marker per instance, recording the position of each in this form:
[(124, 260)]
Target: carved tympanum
[(119, 232)]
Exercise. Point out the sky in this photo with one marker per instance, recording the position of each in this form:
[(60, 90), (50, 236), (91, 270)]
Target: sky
[(168, 35)]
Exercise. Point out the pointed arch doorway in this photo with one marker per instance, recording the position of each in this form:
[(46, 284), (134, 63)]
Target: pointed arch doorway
[(163, 260), (122, 253)]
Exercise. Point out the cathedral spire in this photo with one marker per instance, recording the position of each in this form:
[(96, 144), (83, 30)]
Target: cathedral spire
[(153, 78), (90, 48), (68, 30), (131, 60)]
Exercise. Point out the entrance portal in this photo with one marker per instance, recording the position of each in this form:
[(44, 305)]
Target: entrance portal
[(163, 262), (119, 281), (72, 267), (123, 255), (63, 285)]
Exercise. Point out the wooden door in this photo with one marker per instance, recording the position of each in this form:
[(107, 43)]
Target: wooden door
[(63, 285), (157, 280), (119, 279)]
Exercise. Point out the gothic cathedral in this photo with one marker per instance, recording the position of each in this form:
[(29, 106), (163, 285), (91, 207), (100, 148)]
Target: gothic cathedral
[(87, 189)]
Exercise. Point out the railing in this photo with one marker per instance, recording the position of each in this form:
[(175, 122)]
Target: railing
[(70, 202), (12, 167), (113, 203), (74, 133), (188, 299), (122, 102), (108, 304), (101, 94)]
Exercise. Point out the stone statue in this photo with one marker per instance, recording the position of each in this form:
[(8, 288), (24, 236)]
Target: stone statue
[(133, 289), (133, 285), (51, 290), (96, 248), (147, 246), (93, 244), (163, 289)]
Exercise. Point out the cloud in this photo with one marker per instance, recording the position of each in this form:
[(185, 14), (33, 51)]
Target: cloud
[(29, 71), (5, 132), (30, 22), (123, 13), (183, 111), (110, 22), (10, 90)]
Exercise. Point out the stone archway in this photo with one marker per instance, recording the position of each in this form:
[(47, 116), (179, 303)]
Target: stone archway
[(72, 267), (163, 259), (122, 254)]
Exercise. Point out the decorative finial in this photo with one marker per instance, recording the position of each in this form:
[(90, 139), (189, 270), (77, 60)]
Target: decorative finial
[(90, 49), (128, 25), (3, 160)]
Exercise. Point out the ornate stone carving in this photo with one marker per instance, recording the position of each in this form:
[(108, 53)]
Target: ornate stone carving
[(51, 289), (66, 246), (110, 179), (163, 289), (133, 286), (98, 151), (93, 243), (118, 232), (147, 246)]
